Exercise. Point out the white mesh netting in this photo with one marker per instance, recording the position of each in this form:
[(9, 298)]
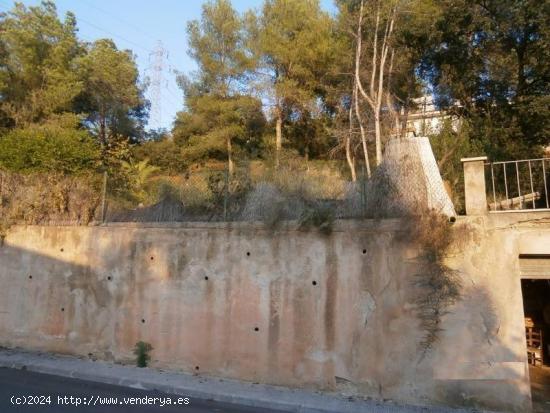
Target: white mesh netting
[(409, 164)]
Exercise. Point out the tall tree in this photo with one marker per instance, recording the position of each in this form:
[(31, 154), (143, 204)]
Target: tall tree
[(385, 41), (216, 128), (384, 16), (293, 42), (217, 112), (112, 95), (37, 74), (490, 62), (217, 44)]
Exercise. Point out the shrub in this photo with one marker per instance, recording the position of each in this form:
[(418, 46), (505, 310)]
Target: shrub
[(48, 198), (48, 148), (264, 203), (319, 216), (141, 351), (164, 154)]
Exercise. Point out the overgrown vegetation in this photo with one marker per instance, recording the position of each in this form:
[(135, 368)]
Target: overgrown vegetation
[(450, 145), (439, 286), (48, 198), (318, 215), (287, 77), (56, 146), (141, 351), (428, 229)]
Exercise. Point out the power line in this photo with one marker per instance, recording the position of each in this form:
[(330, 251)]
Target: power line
[(167, 56), (115, 16), (174, 95), (169, 99), (114, 34)]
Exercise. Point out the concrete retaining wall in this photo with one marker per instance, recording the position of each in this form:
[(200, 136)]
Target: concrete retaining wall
[(293, 308)]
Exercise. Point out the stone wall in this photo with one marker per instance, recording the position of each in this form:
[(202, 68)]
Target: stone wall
[(288, 307)]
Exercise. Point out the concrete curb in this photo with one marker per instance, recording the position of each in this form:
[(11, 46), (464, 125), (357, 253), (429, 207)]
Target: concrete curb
[(200, 387)]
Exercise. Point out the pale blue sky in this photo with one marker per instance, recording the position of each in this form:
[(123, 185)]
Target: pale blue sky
[(139, 25)]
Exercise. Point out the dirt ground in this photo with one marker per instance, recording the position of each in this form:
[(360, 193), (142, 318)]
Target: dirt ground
[(540, 388)]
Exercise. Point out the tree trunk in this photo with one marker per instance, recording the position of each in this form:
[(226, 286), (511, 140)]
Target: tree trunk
[(350, 159), (378, 137), (349, 156), (395, 115), (374, 97), (230, 166), (362, 129), (278, 135), (357, 85), (102, 131)]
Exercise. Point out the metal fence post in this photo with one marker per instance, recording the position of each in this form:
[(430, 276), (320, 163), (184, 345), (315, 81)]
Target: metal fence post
[(363, 193), (225, 194), (104, 197)]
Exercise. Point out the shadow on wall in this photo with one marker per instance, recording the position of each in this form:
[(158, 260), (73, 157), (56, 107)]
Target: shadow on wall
[(494, 375), (63, 294), (47, 301), (208, 305)]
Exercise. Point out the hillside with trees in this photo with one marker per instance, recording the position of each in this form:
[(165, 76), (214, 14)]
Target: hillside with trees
[(286, 85)]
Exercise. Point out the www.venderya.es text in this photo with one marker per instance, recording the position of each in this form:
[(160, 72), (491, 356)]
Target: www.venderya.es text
[(94, 400)]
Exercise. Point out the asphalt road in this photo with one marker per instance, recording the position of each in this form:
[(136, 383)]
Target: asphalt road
[(18, 388)]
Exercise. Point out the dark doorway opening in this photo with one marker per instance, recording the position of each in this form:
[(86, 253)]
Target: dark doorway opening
[(536, 308)]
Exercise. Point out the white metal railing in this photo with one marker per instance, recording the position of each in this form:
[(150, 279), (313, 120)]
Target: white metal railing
[(519, 185)]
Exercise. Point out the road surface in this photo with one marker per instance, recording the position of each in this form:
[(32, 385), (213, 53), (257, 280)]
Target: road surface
[(19, 388)]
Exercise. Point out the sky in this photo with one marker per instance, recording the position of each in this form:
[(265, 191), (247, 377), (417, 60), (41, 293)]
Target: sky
[(146, 27)]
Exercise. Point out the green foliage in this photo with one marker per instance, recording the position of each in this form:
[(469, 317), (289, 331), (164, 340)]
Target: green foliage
[(141, 351), (488, 63), (139, 174), (318, 216), (449, 147), (217, 44), (493, 58), (38, 53), (112, 97), (49, 147), (165, 154), (210, 121), (218, 116), (293, 45), (292, 39), (46, 72)]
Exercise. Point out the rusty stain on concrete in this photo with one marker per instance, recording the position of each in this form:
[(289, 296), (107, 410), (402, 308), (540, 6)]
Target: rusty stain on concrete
[(202, 297)]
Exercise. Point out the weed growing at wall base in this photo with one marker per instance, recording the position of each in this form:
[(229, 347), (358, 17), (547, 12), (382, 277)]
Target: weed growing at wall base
[(142, 350)]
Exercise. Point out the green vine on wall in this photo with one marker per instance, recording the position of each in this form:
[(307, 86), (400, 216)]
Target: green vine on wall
[(440, 286)]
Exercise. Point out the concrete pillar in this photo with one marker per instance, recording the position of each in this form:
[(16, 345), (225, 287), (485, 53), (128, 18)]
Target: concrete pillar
[(474, 185)]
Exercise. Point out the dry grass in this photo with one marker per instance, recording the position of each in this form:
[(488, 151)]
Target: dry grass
[(48, 199), (294, 193)]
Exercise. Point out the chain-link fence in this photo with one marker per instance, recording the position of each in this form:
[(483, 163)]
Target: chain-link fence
[(285, 193), (408, 182), (208, 194)]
